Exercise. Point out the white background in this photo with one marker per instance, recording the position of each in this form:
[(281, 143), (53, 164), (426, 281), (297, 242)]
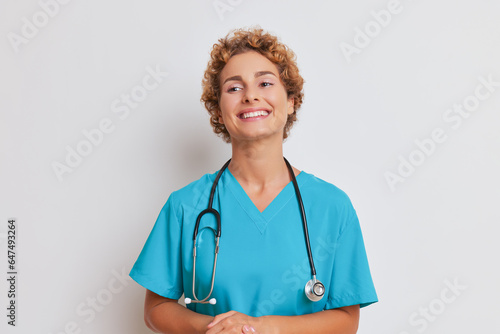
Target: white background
[(362, 114)]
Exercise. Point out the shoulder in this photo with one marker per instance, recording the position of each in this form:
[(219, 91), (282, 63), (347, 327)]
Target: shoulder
[(322, 189), (328, 202), (186, 199), (195, 191)]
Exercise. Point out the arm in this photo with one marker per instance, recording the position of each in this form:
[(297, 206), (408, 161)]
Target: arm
[(343, 320), (164, 315)]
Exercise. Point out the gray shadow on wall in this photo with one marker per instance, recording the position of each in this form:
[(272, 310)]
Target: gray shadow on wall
[(195, 150)]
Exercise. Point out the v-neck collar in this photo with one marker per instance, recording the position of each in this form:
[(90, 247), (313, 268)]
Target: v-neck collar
[(261, 219)]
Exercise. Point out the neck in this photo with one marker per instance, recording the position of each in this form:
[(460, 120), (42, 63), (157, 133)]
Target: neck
[(258, 162)]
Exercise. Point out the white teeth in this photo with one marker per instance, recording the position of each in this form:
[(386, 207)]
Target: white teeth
[(255, 114)]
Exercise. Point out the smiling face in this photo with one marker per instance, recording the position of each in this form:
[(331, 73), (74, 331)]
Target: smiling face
[(253, 100)]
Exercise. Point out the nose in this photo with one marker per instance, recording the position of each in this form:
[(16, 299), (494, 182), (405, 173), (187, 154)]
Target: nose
[(251, 95)]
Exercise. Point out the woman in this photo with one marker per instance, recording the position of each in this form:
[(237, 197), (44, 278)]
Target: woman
[(252, 89)]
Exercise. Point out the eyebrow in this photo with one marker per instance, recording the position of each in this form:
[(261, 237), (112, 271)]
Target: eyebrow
[(257, 74)]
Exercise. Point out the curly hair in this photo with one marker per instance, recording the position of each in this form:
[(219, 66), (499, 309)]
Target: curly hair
[(239, 41)]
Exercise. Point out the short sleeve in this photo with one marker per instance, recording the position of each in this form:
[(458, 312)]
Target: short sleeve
[(351, 282), (158, 267)]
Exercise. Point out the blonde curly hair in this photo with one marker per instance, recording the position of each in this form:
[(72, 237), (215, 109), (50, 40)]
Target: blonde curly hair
[(240, 41)]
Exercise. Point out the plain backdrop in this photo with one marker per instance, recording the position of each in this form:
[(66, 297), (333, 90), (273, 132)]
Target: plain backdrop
[(381, 119)]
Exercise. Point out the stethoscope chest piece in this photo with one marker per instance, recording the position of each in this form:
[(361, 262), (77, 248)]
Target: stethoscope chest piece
[(315, 290)]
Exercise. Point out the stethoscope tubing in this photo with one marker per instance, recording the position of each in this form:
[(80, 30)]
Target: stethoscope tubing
[(209, 209), (217, 233), (304, 219), (310, 292), (204, 300)]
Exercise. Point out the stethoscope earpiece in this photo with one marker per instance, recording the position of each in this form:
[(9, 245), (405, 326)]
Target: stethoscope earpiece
[(212, 301)]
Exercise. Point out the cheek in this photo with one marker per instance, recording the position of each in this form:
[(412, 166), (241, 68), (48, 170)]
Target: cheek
[(225, 108), (228, 103), (224, 102)]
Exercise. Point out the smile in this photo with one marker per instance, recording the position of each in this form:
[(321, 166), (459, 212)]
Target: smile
[(252, 114)]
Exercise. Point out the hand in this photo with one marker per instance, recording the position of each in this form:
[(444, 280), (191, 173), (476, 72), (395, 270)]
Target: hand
[(232, 322)]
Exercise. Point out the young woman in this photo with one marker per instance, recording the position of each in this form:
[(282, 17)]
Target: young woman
[(291, 257)]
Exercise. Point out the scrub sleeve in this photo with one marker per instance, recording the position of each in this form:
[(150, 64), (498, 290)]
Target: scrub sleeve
[(153, 269), (351, 281)]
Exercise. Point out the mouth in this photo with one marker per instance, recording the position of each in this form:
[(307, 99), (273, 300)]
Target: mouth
[(252, 113)]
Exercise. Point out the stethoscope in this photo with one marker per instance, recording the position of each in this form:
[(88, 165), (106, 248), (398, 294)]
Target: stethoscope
[(314, 289)]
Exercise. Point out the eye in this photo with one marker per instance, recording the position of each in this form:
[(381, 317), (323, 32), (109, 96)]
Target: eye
[(233, 89), (266, 84)]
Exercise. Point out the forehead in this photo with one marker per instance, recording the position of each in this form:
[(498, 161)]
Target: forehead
[(248, 63)]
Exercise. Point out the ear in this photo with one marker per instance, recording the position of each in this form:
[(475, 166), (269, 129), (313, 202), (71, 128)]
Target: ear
[(219, 115), (290, 106)]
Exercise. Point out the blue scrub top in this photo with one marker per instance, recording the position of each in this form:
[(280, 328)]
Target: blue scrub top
[(262, 266)]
